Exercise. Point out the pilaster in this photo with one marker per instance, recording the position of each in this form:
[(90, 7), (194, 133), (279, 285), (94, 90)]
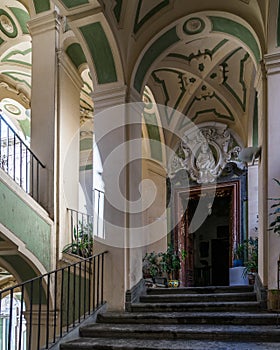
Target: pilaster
[(270, 155)]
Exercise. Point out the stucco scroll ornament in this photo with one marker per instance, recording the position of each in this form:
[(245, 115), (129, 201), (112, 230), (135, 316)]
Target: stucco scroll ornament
[(206, 153)]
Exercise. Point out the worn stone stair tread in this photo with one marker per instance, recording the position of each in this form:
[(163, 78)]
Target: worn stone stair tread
[(135, 344), (207, 306), (200, 290), (189, 317), (207, 296), (191, 332)]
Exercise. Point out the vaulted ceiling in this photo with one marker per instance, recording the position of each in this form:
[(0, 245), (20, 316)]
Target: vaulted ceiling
[(198, 57)]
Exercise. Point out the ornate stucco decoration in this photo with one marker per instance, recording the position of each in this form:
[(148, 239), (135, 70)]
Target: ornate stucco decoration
[(204, 153)]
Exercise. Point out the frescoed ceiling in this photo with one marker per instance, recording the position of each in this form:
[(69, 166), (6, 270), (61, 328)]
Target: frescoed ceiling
[(199, 58)]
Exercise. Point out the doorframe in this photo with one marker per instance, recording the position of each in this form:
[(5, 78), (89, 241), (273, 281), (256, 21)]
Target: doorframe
[(181, 229)]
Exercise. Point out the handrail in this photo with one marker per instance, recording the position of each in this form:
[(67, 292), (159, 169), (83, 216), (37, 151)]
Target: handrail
[(17, 135), (18, 161), (52, 304)]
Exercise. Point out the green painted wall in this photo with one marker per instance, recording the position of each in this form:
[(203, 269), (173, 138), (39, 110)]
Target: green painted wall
[(154, 136), (26, 224), (74, 3), (101, 53), (41, 5), (152, 53), (25, 273), (225, 25), (86, 144), (76, 54)]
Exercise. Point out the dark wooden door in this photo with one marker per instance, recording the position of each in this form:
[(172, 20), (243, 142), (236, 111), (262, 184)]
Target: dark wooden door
[(220, 262)]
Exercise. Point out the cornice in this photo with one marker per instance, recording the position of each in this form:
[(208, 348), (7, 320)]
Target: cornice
[(41, 24), (272, 63)]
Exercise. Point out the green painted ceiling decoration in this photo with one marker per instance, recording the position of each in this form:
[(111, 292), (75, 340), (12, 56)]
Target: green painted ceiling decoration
[(207, 103), (41, 5), (22, 17), (76, 54), (228, 26), (74, 3), (101, 52), (237, 89), (19, 77), (145, 11), (7, 25), (18, 56), (153, 52), (201, 52), (118, 9), (173, 93)]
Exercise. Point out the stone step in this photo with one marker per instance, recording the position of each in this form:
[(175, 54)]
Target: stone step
[(233, 318), (185, 298), (196, 306), (192, 332), (201, 290), (135, 344)]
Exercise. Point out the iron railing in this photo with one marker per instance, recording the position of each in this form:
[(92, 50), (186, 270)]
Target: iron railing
[(18, 161), (98, 208), (50, 305)]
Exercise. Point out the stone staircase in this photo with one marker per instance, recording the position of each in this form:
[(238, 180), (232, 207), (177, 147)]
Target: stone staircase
[(185, 318)]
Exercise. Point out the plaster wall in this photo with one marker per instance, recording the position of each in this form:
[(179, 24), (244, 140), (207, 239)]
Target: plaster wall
[(24, 220), (69, 133), (252, 200)]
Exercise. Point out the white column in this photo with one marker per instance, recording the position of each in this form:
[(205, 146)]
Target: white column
[(271, 153)]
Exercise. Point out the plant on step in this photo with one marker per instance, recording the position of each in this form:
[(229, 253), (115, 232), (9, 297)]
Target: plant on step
[(82, 243), (152, 265), (251, 263), (171, 261)]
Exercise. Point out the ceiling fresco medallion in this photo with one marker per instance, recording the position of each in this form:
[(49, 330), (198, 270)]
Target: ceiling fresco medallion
[(6, 24), (194, 25)]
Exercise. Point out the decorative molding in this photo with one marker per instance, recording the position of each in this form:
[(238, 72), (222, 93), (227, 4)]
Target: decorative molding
[(65, 62), (45, 23), (107, 98), (204, 153), (272, 63)]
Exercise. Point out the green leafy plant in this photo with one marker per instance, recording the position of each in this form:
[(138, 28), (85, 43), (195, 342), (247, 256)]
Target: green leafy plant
[(251, 263), (171, 261), (275, 224), (82, 243), (163, 263), (152, 265)]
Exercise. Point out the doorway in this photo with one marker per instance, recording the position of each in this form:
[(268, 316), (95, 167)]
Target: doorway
[(210, 246)]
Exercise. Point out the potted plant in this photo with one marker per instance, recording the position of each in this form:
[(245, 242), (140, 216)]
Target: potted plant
[(251, 263), (238, 255), (171, 264), (82, 242), (152, 269)]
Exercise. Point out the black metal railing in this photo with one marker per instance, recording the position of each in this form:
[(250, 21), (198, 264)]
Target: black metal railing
[(39, 312), (98, 209), (18, 161)]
